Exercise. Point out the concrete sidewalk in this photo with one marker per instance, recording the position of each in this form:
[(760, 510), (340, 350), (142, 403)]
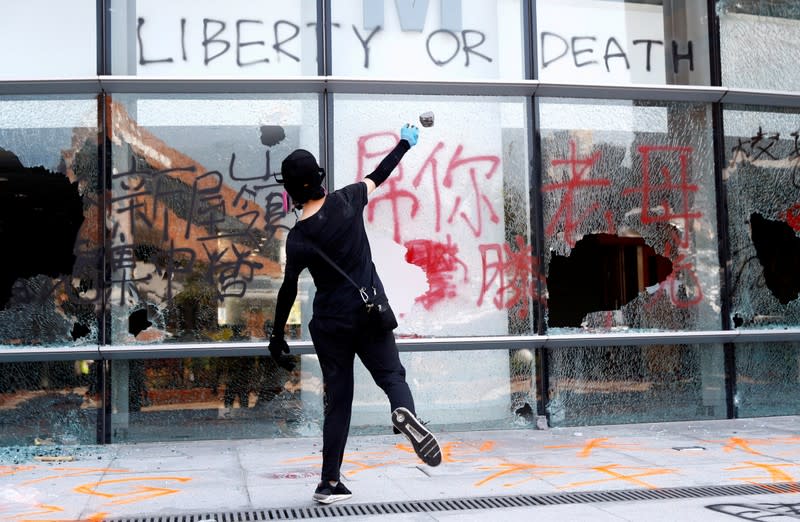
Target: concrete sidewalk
[(222, 478)]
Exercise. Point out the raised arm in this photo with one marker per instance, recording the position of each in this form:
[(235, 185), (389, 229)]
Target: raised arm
[(408, 138)]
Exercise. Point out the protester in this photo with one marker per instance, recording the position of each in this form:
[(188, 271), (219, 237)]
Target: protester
[(332, 226)]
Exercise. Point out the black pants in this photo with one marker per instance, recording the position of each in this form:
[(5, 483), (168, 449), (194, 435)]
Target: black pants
[(336, 349)]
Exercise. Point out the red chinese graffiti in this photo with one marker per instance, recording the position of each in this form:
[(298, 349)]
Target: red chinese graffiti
[(441, 263), (792, 217), (578, 180), (374, 146), (651, 189), (461, 166), (456, 201), (682, 283), (471, 206), (512, 276)]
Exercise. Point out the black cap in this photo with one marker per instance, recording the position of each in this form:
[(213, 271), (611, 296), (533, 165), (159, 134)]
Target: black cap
[(302, 176), (299, 166)]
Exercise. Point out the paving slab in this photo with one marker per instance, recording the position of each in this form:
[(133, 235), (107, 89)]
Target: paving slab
[(178, 478)]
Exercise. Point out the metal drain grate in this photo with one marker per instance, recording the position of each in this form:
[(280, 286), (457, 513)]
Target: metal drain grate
[(468, 504)]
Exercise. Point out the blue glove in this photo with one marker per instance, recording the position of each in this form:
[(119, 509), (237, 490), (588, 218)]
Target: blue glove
[(409, 133)]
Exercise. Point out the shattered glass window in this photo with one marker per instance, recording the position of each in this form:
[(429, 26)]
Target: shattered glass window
[(241, 397), (767, 379), (197, 221), (204, 398), (51, 290), (762, 181), (46, 405), (759, 43), (629, 216), (450, 228), (626, 384)]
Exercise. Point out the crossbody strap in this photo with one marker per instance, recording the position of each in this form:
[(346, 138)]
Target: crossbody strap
[(361, 290)]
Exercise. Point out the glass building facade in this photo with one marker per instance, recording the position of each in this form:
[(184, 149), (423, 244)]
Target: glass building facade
[(602, 226)]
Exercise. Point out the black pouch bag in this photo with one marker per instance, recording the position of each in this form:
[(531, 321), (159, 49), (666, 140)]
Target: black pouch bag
[(379, 315)]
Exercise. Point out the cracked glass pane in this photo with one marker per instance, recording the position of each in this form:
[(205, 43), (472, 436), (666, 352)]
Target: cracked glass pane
[(630, 245), (450, 228), (198, 230), (759, 43), (762, 181), (236, 397), (767, 379), (630, 216), (47, 405), (51, 288), (626, 384), (197, 220)]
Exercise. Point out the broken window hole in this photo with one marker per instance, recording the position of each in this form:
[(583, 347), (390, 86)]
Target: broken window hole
[(603, 272), (138, 322), (41, 213), (778, 250)]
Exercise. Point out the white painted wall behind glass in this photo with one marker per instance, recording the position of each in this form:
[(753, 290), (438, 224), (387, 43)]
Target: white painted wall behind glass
[(428, 39), (212, 38), (614, 42), (403, 39), (48, 39)]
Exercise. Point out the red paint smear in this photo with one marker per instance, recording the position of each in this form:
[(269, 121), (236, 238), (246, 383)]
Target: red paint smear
[(440, 262)]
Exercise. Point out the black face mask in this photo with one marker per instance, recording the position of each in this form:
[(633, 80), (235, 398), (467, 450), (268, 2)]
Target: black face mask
[(304, 188), (280, 178)]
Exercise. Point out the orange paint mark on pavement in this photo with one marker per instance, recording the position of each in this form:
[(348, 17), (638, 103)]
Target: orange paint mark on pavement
[(487, 446), (738, 443), (451, 450), (295, 460), (73, 472), (791, 440), (361, 466), (534, 472), (13, 470), (44, 510), (136, 494), (593, 444), (616, 475), (776, 475), (362, 461)]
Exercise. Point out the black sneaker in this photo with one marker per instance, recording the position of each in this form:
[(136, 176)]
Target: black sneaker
[(327, 494), (423, 441)]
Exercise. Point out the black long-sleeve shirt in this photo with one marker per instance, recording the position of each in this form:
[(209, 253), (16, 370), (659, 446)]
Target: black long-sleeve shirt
[(337, 229)]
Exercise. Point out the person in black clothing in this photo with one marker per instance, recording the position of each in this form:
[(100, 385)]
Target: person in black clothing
[(334, 224)]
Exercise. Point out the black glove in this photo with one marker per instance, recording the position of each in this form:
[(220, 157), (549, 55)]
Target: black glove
[(277, 348)]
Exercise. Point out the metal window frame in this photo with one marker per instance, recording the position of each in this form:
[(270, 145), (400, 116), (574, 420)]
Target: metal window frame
[(530, 342), (720, 191), (353, 85), (326, 85)]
